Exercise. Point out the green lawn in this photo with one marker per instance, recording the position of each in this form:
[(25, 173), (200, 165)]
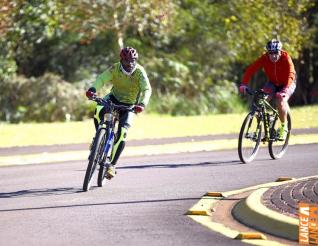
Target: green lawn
[(145, 126)]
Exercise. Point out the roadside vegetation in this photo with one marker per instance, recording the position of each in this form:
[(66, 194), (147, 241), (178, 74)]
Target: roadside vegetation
[(194, 51)]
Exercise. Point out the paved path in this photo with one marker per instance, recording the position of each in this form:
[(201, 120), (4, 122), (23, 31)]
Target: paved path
[(283, 198)]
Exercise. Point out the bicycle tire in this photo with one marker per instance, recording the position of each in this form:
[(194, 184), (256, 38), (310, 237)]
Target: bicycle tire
[(278, 148), (101, 180), (94, 159), (249, 138)]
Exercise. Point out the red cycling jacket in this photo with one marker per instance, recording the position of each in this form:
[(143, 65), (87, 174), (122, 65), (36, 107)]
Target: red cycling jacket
[(280, 73)]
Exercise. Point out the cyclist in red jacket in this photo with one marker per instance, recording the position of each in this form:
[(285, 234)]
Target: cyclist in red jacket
[(279, 68)]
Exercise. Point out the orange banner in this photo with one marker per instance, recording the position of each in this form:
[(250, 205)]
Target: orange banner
[(308, 224)]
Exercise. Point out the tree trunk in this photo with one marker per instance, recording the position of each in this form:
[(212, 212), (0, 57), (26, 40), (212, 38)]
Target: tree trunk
[(119, 33)]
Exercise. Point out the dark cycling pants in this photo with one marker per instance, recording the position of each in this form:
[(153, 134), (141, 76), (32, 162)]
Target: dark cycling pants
[(125, 117), (125, 120)]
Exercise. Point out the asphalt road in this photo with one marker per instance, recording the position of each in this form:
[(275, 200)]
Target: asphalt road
[(143, 205)]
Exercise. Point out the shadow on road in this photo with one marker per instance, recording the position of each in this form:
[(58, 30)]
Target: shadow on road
[(40, 192), (102, 204), (182, 165)]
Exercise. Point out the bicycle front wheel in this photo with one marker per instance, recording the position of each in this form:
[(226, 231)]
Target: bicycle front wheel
[(105, 161), (96, 154), (249, 138), (101, 180), (276, 147)]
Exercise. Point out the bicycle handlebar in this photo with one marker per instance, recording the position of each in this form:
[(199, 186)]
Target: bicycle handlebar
[(103, 102), (255, 92), (250, 91)]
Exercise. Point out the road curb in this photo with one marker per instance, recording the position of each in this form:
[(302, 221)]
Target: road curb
[(202, 212), (253, 213)]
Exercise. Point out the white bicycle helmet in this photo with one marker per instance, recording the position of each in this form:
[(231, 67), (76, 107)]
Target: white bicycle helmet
[(274, 46)]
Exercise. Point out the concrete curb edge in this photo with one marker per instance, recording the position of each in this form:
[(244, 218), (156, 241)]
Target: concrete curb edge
[(206, 209), (252, 212)]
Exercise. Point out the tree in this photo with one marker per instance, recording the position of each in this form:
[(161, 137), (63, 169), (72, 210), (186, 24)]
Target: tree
[(8, 10), (250, 24), (91, 18), (28, 24)]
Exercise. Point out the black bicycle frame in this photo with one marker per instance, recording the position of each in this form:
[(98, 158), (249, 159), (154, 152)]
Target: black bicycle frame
[(262, 107)]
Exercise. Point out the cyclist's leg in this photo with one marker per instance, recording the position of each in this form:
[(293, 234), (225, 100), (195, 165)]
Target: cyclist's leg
[(282, 102), (271, 90), (98, 115), (125, 120), (283, 108)]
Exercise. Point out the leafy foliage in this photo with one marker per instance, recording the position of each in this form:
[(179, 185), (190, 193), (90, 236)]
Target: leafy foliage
[(194, 51), (46, 98), (92, 18), (250, 24)]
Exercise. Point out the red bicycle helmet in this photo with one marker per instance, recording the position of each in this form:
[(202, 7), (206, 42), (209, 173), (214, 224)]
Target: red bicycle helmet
[(128, 53)]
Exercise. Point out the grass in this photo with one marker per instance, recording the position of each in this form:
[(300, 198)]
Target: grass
[(79, 155), (144, 126)]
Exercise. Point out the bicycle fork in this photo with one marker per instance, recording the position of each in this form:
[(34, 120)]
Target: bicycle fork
[(108, 146)]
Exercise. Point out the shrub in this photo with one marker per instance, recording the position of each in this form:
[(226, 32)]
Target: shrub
[(219, 98), (43, 99)]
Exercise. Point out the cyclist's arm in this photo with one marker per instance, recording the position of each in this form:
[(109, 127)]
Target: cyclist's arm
[(145, 88), (252, 69), (291, 71), (102, 79)]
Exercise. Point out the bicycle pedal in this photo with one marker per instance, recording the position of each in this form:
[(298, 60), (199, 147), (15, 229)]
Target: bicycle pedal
[(264, 140)]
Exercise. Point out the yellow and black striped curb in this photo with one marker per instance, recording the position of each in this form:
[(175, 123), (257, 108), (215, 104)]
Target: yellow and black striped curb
[(250, 211)]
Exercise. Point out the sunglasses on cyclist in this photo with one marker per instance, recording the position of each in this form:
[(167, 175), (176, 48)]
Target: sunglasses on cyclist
[(273, 52)]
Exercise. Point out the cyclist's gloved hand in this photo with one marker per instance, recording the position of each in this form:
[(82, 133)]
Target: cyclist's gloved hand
[(139, 108), (243, 89), (91, 92)]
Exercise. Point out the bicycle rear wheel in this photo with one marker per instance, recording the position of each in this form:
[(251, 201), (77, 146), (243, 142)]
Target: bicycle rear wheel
[(94, 158), (278, 148), (249, 138)]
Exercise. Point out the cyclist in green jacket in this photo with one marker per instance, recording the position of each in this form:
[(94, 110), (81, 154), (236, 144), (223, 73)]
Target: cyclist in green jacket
[(130, 85)]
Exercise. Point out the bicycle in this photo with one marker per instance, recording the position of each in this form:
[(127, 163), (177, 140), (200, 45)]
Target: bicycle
[(261, 116), (103, 142)]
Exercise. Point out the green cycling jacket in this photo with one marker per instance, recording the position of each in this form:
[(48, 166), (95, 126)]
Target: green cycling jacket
[(133, 89)]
